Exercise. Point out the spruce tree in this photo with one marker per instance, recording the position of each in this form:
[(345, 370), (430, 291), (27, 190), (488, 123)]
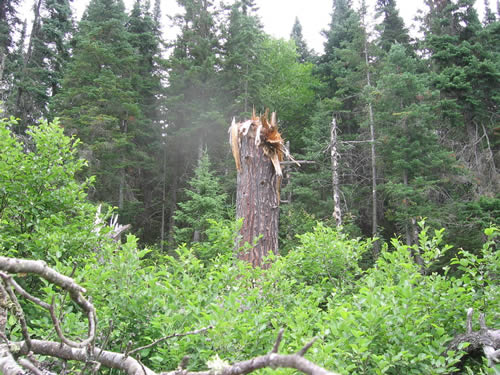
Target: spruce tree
[(489, 15), (392, 28), (342, 69), (99, 104), (205, 201), (9, 22), (300, 43), (241, 63), (193, 91), (415, 164), (144, 36), (43, 63), (464, 57)]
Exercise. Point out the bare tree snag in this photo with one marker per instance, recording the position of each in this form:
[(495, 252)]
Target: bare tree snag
[(258, 149), (334, 156)]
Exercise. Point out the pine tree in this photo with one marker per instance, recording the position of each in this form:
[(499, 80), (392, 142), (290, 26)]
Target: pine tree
[(300, 43)]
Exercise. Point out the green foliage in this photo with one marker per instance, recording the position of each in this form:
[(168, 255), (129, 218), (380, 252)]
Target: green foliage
[(390, 319), (39, 76), (44, 213), (205, 201), (304, 54), (327, 257)]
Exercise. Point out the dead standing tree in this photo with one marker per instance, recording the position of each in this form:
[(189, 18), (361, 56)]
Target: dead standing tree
[(258, 149)]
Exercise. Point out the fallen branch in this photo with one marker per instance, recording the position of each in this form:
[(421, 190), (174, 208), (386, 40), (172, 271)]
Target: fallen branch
[(11, 362), (41, 269), (485, 339)]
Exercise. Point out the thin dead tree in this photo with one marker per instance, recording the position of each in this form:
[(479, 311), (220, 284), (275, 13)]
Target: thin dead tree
[(18, 357), (334, 157), (373, 154)]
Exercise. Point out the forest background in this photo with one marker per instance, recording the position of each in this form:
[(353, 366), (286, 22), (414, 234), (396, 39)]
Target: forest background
[(417, 124)]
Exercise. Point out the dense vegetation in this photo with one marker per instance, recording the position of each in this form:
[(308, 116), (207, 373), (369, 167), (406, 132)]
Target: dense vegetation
[(392, 318), (140, 127)]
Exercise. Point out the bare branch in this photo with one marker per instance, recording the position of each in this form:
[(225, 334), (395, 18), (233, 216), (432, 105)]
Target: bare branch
[(306, 347), (278, 341), (470, 311), (8, 366), (19, 311), (41, 269), (31, 367), (486, 339), (106, 358), (68, 350)]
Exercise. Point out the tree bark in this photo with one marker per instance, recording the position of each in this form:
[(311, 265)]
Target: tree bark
[(376, 246), (258, 149), (257, 202), (334, 156)]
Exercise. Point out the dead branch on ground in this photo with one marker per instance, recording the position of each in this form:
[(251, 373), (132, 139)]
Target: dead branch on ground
[(16, 358)]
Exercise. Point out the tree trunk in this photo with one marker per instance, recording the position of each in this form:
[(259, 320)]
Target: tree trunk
[(257, 148), (163, 200), (334, 156), (3, 58), (376, 246)]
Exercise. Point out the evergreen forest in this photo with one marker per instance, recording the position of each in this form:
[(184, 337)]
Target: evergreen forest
[(119, 241)]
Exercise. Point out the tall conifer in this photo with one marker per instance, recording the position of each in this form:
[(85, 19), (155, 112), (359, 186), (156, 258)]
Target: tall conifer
[(99, 104)]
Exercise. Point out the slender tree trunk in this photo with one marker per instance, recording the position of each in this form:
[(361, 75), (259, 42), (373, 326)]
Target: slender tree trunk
[(172, 207), (121, 188), (3, 57), (163, 201), (246, 90), (376, 246), (334, 157), (408, 229)]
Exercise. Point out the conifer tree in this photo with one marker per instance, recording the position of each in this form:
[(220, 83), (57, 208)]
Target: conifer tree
[(465, 59), (195, 122), (8, 23), (241, 65), (392, 29), (489, 16), (342, 69), (145, 37), (415, 163), (43, 63), (205, 201), (99, 104), (300, 43)]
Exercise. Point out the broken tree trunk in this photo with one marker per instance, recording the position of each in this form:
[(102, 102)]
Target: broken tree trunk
[(258, 149)]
